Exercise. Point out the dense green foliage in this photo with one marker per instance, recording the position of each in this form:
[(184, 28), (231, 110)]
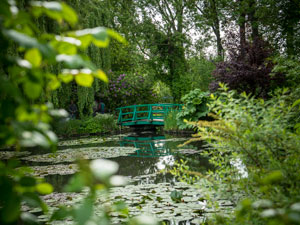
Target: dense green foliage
[(262, 154), (26, 78), (200, 74), (101, 123), (170, 121), (195, 108), (50, 55)]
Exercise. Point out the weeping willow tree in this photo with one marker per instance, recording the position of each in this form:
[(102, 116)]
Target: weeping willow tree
[(91, 13)]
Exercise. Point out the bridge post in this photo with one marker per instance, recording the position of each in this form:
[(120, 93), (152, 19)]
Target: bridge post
[(120, 116), (150, 116), (134, 114)]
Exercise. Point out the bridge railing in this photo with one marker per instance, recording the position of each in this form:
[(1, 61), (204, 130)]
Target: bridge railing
[(147, 113)]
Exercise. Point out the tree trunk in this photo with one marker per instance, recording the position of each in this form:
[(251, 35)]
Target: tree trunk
[(242, 28), (216, 27), (253, 19)]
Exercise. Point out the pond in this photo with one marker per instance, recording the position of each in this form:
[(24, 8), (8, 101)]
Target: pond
[(141, 157)]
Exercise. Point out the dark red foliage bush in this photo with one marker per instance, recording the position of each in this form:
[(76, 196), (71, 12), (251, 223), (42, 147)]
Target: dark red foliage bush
[(248, 69)]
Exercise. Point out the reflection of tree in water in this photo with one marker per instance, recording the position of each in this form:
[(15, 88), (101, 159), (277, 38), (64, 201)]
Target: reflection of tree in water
[(135, 166), (58, 181), (196, 162)]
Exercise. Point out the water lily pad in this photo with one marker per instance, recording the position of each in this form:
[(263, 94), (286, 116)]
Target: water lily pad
[(70, 155), (12, 154), (88, 140), (187, 151), (61, 169), (142, 198)]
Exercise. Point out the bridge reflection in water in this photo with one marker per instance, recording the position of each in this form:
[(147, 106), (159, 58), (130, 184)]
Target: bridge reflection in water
[(153, 146)]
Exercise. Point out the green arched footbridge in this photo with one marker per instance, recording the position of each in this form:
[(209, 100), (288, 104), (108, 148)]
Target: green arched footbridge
[(149, 114)]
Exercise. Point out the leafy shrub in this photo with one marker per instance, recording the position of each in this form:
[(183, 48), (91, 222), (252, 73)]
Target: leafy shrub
[(32, 64), (170, 121), (101, 123), (290, 67), (257, 134), (195, 107), (67, 127)]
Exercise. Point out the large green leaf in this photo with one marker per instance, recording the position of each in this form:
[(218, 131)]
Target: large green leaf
[(32, 199), (69, 14), (54, 83), (97, 35), (101, 75), (73, 61), (84, 79), (76, 183), (296, 103), (34, 57), (84, 212), (44, 188), (66, 78), (22, 39), (85, 40), (32, 89), (30, 42), (55, 10), (116, 36), (61, 213), (65, 47)]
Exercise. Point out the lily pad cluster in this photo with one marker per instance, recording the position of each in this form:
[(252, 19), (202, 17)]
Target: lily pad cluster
[(71, 155), (156, 199), (12, 154), (60, 169), (187, 151), (153, 199), (89, 140)]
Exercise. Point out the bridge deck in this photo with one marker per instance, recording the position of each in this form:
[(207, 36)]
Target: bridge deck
[(149, 114), (144, 122)]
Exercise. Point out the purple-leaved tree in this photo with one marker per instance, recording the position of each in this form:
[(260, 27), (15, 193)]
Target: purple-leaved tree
[(248, 69)]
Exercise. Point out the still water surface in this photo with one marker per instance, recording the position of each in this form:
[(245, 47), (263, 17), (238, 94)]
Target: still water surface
[(141, 158), (153, 152)]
